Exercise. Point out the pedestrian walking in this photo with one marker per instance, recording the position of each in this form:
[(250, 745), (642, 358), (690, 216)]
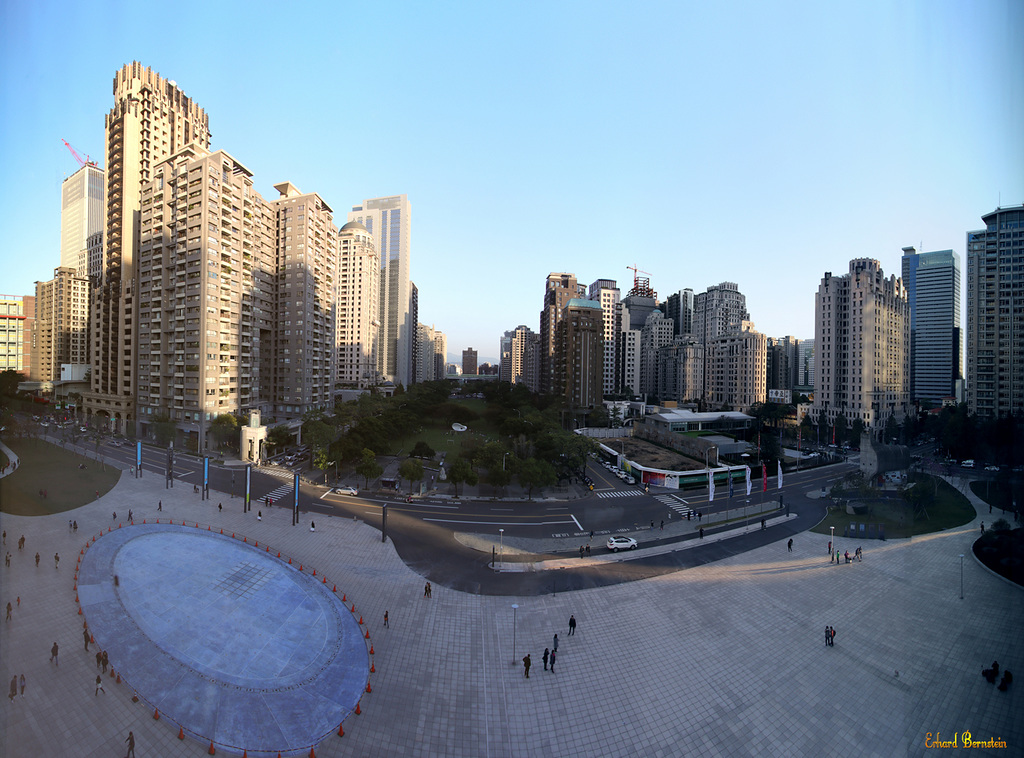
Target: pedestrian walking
[(832, 636), (131, 746), (85, 634), (99, 659), (7, 560), (5, 538), (259, 515), (828, 635), (763, 524), (115, 512), (53, 653), (37, 560), (982, 528), (588, 549), (9, 609), (526, 666), (545, 658), (76, 526), (830, 548), (99, 685), (837, 557), (312, 526), (652, 525), (21, 542), (554, 644), (790, 544), (14, 688), (386, 620), (427, 590), (56, 560), (130, 515), (702, 532), (582, 551), (160, 505), (663, 525), (572, 624), (21, 681), (553, 654), (105, 661)]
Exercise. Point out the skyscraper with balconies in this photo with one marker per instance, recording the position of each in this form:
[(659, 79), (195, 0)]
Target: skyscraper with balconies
[(995, 314), (358, 307), (62, 315), (151, 120), (82, 216)]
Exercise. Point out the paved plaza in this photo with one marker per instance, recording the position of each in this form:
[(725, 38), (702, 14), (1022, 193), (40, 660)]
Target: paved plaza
[(721, 660)]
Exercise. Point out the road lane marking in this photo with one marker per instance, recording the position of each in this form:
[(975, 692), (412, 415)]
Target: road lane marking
[(578, 525), (498, 523)]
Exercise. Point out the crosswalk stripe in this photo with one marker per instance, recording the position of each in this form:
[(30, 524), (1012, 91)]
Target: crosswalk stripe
[(673, 502), (620, 493)]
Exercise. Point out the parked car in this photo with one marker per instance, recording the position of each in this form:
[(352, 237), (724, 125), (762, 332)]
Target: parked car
[(615, 544), (969, 463), (991, 468), (346, 491)]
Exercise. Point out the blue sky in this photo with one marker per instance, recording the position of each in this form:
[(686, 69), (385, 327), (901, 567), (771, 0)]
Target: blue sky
[(761, 143)]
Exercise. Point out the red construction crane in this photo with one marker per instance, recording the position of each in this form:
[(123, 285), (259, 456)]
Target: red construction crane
[(86, 162), (641, 285)]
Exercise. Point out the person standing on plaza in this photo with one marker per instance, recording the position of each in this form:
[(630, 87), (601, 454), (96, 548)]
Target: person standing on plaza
[(554, 644), (828, 635), (526, 665), (99, 659), (14, 688), (37, 560), (53, 653), (21, 681), (386, 620), (830, 549), (547, 653), (9, 609), (572, 624), (105, 661), (85, 634), (131, 746), (791, 544), (553, 655), (56, 560)]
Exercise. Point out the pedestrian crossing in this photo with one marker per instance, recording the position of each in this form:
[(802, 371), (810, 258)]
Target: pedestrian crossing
[(279, 495), (278, 473), (675, 503), (621, 493)]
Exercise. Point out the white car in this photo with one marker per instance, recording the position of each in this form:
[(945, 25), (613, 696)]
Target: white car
[(615, 544), (346, 491), (991, 468)]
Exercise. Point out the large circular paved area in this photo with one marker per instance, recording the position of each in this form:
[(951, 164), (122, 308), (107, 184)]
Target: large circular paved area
[(225, 639)]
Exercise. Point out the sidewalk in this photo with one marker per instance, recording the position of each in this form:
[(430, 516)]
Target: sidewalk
[(721, 660)]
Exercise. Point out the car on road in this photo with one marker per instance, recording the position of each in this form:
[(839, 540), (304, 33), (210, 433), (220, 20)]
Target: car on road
[(346, 490), (991, 468), (615, 544), (969, 463), (630, 480)]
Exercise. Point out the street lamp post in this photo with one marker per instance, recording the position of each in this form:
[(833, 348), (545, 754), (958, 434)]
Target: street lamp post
[(515, 607), (961, 576), (501, 550), (832, 540)]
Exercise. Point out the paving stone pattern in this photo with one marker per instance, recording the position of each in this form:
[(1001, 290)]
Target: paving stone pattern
[(722, 660)]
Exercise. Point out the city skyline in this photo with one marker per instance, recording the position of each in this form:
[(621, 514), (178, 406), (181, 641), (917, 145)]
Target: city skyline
[(815, 136)]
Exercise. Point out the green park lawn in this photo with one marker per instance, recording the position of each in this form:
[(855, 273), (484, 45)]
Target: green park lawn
[(999, 494), (441, 437), (49, 467), (950, 509)]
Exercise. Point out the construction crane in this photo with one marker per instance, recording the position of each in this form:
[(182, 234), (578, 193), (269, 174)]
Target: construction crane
[(81, 163), (641, 285)]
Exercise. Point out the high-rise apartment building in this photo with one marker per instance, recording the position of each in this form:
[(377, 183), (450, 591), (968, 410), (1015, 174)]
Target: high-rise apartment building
[(307, 263), (783, 364), (655, 334), (995, 314), (559, 289), (719, 310), (414, 345), (736, 369), (469, 356), (82, 217), (632, 313), (606, 292), (206, 295), (805, 365), (17, 319), (426, 360), (358, 308), (62, 316), (932, 281), (389, 220), (681, 370), (151, 120), (679, 307), (579, 354), (440, 354), (862, 346), (520, 357)]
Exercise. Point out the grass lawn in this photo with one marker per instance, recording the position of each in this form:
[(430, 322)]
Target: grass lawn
[(1000, 494), (49, 467), (951, 508), (441, 437)]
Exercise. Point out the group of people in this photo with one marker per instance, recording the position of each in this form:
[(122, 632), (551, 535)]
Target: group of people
[(830, 636), (14, 687), (990, 676), (550, 654), (858, 555)]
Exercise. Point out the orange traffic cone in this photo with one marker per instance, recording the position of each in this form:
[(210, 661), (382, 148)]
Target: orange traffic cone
[(156, 714), (371, 648), (353, 607), (212, 751), (245, 540), (181, 733), (359, 711), (368, 687), (341, 730), (325, 580), (360, 621), (311, 753), (289, 561), (118, 678), (300, 567), (372, 669), (335, 589), (314, 572), (367, 634)]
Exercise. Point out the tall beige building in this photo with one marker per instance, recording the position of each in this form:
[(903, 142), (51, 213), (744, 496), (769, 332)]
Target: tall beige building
[(307, 267), (736, 365), (17, 318), (82, 216), (440, 354), (358, 307), (606, 292), (862, 346), (151, 120), (206, 294), (60, 334), (559, 289)]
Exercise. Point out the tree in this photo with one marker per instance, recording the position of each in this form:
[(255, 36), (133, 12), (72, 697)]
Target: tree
[(224, 429), (534, 473), (856, 430), (892, 430), (163, 429), (411, 470), (368, 467), (422, 450), (461, 471), (841, 427), (279, 436), (498, 477), (9, 381)]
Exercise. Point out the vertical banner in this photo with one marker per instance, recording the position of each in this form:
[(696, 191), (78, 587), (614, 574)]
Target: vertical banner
[(711, 487), (764, 477), (780, 475), (248, 482), (730, 484), (206, 478), (295, 507), (169, 481), (748, 480), (138, 459)]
